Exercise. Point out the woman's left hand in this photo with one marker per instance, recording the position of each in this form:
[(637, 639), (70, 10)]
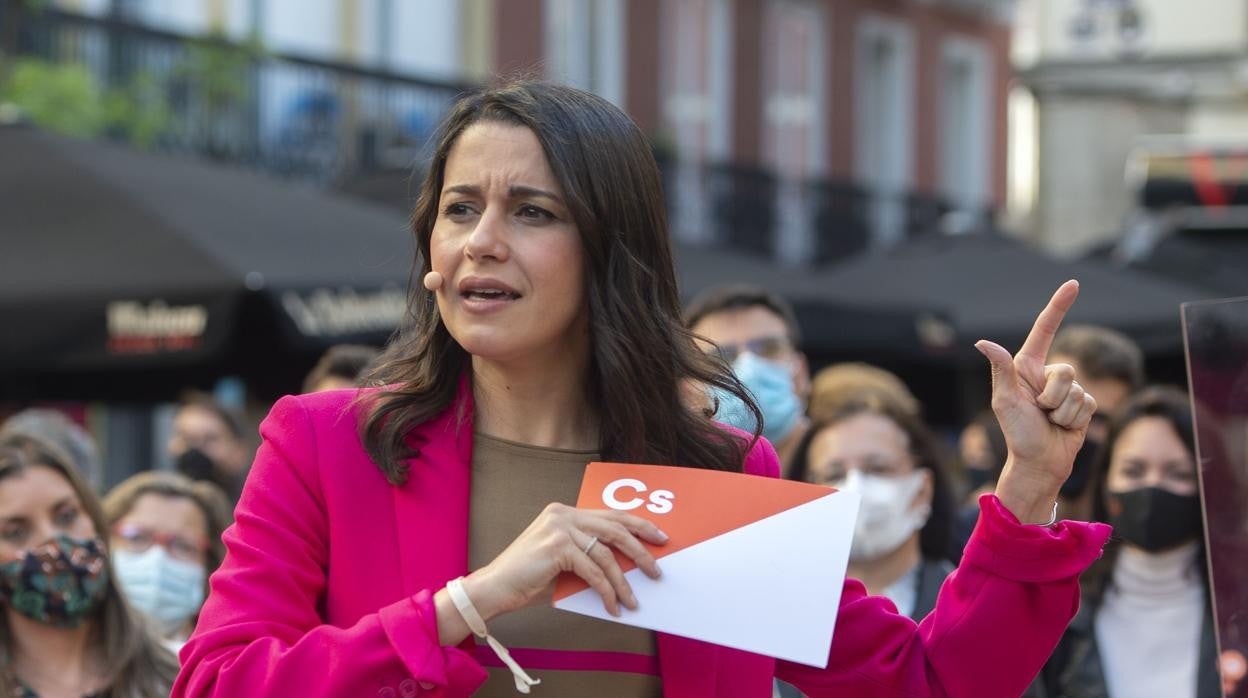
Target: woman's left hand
[(1043, 412)]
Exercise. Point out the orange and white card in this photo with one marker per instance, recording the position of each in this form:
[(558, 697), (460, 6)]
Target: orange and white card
[(752, 563)]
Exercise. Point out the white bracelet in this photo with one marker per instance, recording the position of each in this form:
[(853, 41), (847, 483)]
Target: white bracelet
[(459, 597), (1052, 519)]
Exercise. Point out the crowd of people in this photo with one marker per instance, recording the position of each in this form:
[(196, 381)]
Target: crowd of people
[(1145, 626), (100, 594), (100, 590)]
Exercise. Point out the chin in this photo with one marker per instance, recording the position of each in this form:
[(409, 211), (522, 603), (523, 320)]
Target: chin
[(492, 345), (505, 346)]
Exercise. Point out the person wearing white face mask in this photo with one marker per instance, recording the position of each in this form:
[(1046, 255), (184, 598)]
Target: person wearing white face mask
[(901, 542), (166, 540)]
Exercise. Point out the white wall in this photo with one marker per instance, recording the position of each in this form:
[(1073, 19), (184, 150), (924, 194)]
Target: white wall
[(425, 38), (1085, 142), (184, 17), (423, 35), (1170, 28), (304, 27), (1219, 120)]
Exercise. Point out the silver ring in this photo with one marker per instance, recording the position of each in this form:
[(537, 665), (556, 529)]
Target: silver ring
[(590, 545)]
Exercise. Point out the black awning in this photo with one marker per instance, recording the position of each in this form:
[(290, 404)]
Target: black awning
[(932, 298), (112, 259)]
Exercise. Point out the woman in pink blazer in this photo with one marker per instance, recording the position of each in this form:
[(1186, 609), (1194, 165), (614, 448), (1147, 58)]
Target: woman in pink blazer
[(549, 321)]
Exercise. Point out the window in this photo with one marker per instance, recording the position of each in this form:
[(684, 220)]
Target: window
[(585, 45), (884, 121), (794, 117), (697, 103), (965, 127)]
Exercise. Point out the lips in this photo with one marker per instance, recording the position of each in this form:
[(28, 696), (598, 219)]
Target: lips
[(490, 294), (475, 288)]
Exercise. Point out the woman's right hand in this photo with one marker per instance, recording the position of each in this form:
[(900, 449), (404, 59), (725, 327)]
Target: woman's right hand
[(554, 543)]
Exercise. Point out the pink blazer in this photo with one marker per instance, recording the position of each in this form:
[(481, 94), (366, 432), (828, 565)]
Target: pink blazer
[(327, 586)]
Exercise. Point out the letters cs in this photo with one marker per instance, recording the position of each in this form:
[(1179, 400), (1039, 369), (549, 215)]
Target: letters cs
[(660, 500)]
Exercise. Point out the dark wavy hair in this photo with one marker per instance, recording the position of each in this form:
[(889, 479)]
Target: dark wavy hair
[(644, 362), (936, 536), (1169, 403)]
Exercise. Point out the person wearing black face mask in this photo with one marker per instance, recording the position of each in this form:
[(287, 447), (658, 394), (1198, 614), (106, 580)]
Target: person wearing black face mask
[(1109, 365), (1145, 627), (208, 444), (982, 452)]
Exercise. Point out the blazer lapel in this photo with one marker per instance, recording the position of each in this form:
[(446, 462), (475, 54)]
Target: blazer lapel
[(431, 508)]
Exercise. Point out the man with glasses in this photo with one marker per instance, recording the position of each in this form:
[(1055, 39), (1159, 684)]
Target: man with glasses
[(756, 332)]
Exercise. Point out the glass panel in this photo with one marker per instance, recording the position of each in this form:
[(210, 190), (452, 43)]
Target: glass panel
[(1216, 337)]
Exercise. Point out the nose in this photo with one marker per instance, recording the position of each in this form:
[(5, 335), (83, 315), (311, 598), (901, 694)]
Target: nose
[(851, 480), (1153, 478), (489, 238), (41, 534)]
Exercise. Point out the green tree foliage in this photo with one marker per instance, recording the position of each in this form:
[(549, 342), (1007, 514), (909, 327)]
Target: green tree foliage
[(67, 98), (62, 98)]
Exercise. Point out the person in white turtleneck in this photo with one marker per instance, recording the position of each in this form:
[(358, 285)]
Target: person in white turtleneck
[(1145, 628)]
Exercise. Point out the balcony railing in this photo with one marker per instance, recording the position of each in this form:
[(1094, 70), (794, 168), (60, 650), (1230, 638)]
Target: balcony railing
[(807, 222), (359, 128), (292, 115)]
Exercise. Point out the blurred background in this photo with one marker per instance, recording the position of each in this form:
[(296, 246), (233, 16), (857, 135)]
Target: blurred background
[(209, 193)]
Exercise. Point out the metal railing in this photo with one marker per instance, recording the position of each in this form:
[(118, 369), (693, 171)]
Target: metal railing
[(807, 222), (295, 116), (357, 128)]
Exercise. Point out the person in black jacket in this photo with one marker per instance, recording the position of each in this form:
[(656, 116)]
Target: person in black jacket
[(1145, 625)]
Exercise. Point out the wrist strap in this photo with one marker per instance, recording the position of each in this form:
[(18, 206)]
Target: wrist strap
[(476, 624), (1052, 520)]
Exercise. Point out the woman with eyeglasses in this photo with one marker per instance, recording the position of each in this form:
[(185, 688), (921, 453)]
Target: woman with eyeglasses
[(166, 540), (65, 628)]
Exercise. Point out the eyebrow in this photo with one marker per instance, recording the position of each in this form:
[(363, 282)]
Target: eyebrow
[(515, 191), (67, 499)]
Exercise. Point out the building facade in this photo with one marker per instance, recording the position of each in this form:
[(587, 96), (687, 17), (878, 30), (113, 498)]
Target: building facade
[(1101, 81), (805, 130), (800, 130)]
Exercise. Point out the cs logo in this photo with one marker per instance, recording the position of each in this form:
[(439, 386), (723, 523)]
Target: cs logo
[(660, 501)]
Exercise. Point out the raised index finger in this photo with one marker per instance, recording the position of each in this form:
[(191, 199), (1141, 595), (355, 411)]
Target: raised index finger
[(1041, 335)]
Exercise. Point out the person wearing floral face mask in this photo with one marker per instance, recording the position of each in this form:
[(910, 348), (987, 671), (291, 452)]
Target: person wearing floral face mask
[(65, 629), (901, 542), (166, 540), (1146, 601)]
